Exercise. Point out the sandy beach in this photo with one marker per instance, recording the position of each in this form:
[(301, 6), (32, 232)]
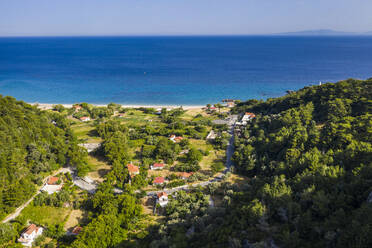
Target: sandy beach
[(46, 106)]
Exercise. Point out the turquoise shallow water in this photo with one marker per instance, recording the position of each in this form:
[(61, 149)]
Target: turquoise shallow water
[(174, 70)]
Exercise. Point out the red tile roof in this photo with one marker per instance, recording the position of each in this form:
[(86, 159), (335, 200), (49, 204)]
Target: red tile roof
[(185, 174), (31, 228), (158, 165), (250, 114), (132, 168), (158, 180), (162, 194), (52, 180), (84, 118)]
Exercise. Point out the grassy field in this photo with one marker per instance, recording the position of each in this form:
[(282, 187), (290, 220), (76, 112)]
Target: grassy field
[(85, 131), (99, 168), (135, 117), (45, 215)]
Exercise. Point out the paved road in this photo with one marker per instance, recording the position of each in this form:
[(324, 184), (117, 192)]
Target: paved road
[(20, 208)]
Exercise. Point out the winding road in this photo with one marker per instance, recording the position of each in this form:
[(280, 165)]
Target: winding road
[(16, 212)]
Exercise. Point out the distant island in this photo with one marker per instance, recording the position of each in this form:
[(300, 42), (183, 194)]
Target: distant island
[(322, 32)]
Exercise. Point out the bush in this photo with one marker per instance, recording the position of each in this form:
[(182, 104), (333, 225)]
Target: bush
[(217, 167), (176, 183)]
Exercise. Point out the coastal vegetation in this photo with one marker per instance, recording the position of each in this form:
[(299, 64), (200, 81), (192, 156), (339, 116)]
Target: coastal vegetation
[(302, 173), (33, 144)]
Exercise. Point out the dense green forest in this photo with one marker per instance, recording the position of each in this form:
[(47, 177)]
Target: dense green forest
[(32, 144), (307, 158)]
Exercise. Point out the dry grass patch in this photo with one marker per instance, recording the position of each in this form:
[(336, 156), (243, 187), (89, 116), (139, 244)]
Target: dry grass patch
[(74, 219), (99, 168), (238, 179)]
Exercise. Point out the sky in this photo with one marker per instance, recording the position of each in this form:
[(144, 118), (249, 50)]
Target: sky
[(180, 17)]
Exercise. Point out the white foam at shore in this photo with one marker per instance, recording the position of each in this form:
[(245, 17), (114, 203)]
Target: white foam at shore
[(51, 105)]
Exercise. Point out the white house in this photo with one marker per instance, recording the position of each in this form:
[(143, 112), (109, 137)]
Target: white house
[(157, 166), (52, 185), (85, 118), (247, 117), (162, 199), (30, 234)]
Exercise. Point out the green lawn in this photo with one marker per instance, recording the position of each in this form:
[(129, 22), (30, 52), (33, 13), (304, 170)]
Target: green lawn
[(45, 215), (85, 131), (137, 118)]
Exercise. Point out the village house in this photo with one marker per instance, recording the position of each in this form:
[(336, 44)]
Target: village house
[(230, 104), (77, 107), (175, 138), (30, 234), (185, 175), (133, 170), (159, 181), (246, 117), (85, 118), (212, 135), (53, 184), (162, 199), (157, 166)]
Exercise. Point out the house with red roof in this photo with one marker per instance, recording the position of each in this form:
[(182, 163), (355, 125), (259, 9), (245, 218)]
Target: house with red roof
[(159, 181), (175, 138), (30, 234), (85, 118), (133, 170), (157, 166), (184, 175), (52, 180), (162, 199), (77, 107), (52, 185)]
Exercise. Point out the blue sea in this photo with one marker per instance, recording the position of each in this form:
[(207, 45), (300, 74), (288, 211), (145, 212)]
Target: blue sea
[(175, 70)]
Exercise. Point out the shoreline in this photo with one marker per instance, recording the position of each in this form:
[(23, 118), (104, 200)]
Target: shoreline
[(46, 106)]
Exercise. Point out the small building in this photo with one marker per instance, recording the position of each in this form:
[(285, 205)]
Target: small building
[(52, 180), (230, 104), (159, 181), (52, 185), (248, 116), (157, 166), (77, 230), (30, 234), (175, 139), (85, 118), (184, 175), (212, 135), (162, 199), (77, 107), (133, 170), (121, 115)]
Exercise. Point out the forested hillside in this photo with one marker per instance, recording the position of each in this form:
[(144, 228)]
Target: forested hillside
[(307, 158), (32, 144)]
